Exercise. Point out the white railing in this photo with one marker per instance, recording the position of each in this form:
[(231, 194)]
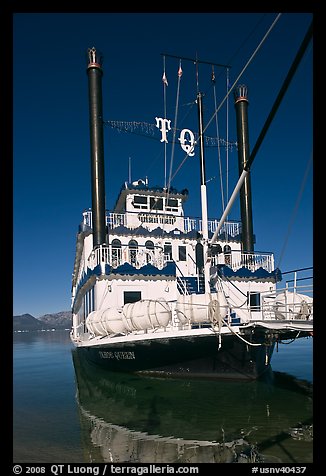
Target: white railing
[(106, 255), (290, 302), (252, 261), (294, 301), (87, 218), (156, 218), (141, 256), (231, 229), (115, 257), (115, 219)]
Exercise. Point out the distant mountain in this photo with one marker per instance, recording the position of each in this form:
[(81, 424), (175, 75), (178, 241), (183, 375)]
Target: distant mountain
[(27, 322), (59, 320)]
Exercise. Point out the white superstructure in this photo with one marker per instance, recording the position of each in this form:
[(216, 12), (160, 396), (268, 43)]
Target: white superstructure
[(149, 275)]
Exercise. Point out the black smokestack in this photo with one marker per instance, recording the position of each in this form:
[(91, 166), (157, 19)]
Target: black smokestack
[(94, 72), (241, 106)]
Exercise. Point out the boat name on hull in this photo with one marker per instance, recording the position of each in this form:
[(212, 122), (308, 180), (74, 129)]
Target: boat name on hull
[(117, 355)]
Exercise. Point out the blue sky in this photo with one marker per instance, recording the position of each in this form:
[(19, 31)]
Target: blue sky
[(51, 137)]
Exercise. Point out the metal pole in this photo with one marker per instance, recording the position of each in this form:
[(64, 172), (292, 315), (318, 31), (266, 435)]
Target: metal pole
[(94, 72), (241, 106), (203, 193), (229, 205)]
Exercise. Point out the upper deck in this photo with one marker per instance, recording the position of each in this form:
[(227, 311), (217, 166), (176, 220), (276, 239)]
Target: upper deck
[(150, 220), (147, 225), (139, 205), (133, 253)]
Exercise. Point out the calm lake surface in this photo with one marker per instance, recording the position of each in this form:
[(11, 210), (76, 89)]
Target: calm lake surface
[(66, 411)]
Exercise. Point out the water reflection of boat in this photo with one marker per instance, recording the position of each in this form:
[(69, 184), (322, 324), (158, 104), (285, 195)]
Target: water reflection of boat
[(131, 418)]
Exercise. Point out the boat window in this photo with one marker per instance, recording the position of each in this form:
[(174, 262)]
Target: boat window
[(254, 301), (116, 253), (84, 314), (156, 203), (227, 254), (131, 296), (133, 247), (216, 249), (90, 300), (149, 245), (199, 257), (168, 252), (140, 201), (86, 305), (171, 205), (182, 253)]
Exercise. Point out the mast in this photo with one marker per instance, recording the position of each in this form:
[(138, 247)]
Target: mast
[(203, 192), (94, 72), (241, 106)]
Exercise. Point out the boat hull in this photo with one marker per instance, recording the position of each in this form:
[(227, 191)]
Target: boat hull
[(186, 356)]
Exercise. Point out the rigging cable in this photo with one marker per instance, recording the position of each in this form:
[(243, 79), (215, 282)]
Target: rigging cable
[(268, 122), (175, 124), (165, 84), (227, 107), (243, 69), (166, 186), (227, 138), (233, 85), (218, 135), (295, 210)]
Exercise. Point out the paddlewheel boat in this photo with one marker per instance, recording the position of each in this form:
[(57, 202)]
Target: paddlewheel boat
[(160, 293)]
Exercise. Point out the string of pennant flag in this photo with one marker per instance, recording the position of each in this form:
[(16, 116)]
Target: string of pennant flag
[(187, 139), (147, 129)]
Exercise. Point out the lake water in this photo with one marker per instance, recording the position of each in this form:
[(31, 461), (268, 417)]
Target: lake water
[(66, 411)]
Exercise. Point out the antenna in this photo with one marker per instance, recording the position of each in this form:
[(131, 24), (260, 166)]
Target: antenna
[(129, 170)]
